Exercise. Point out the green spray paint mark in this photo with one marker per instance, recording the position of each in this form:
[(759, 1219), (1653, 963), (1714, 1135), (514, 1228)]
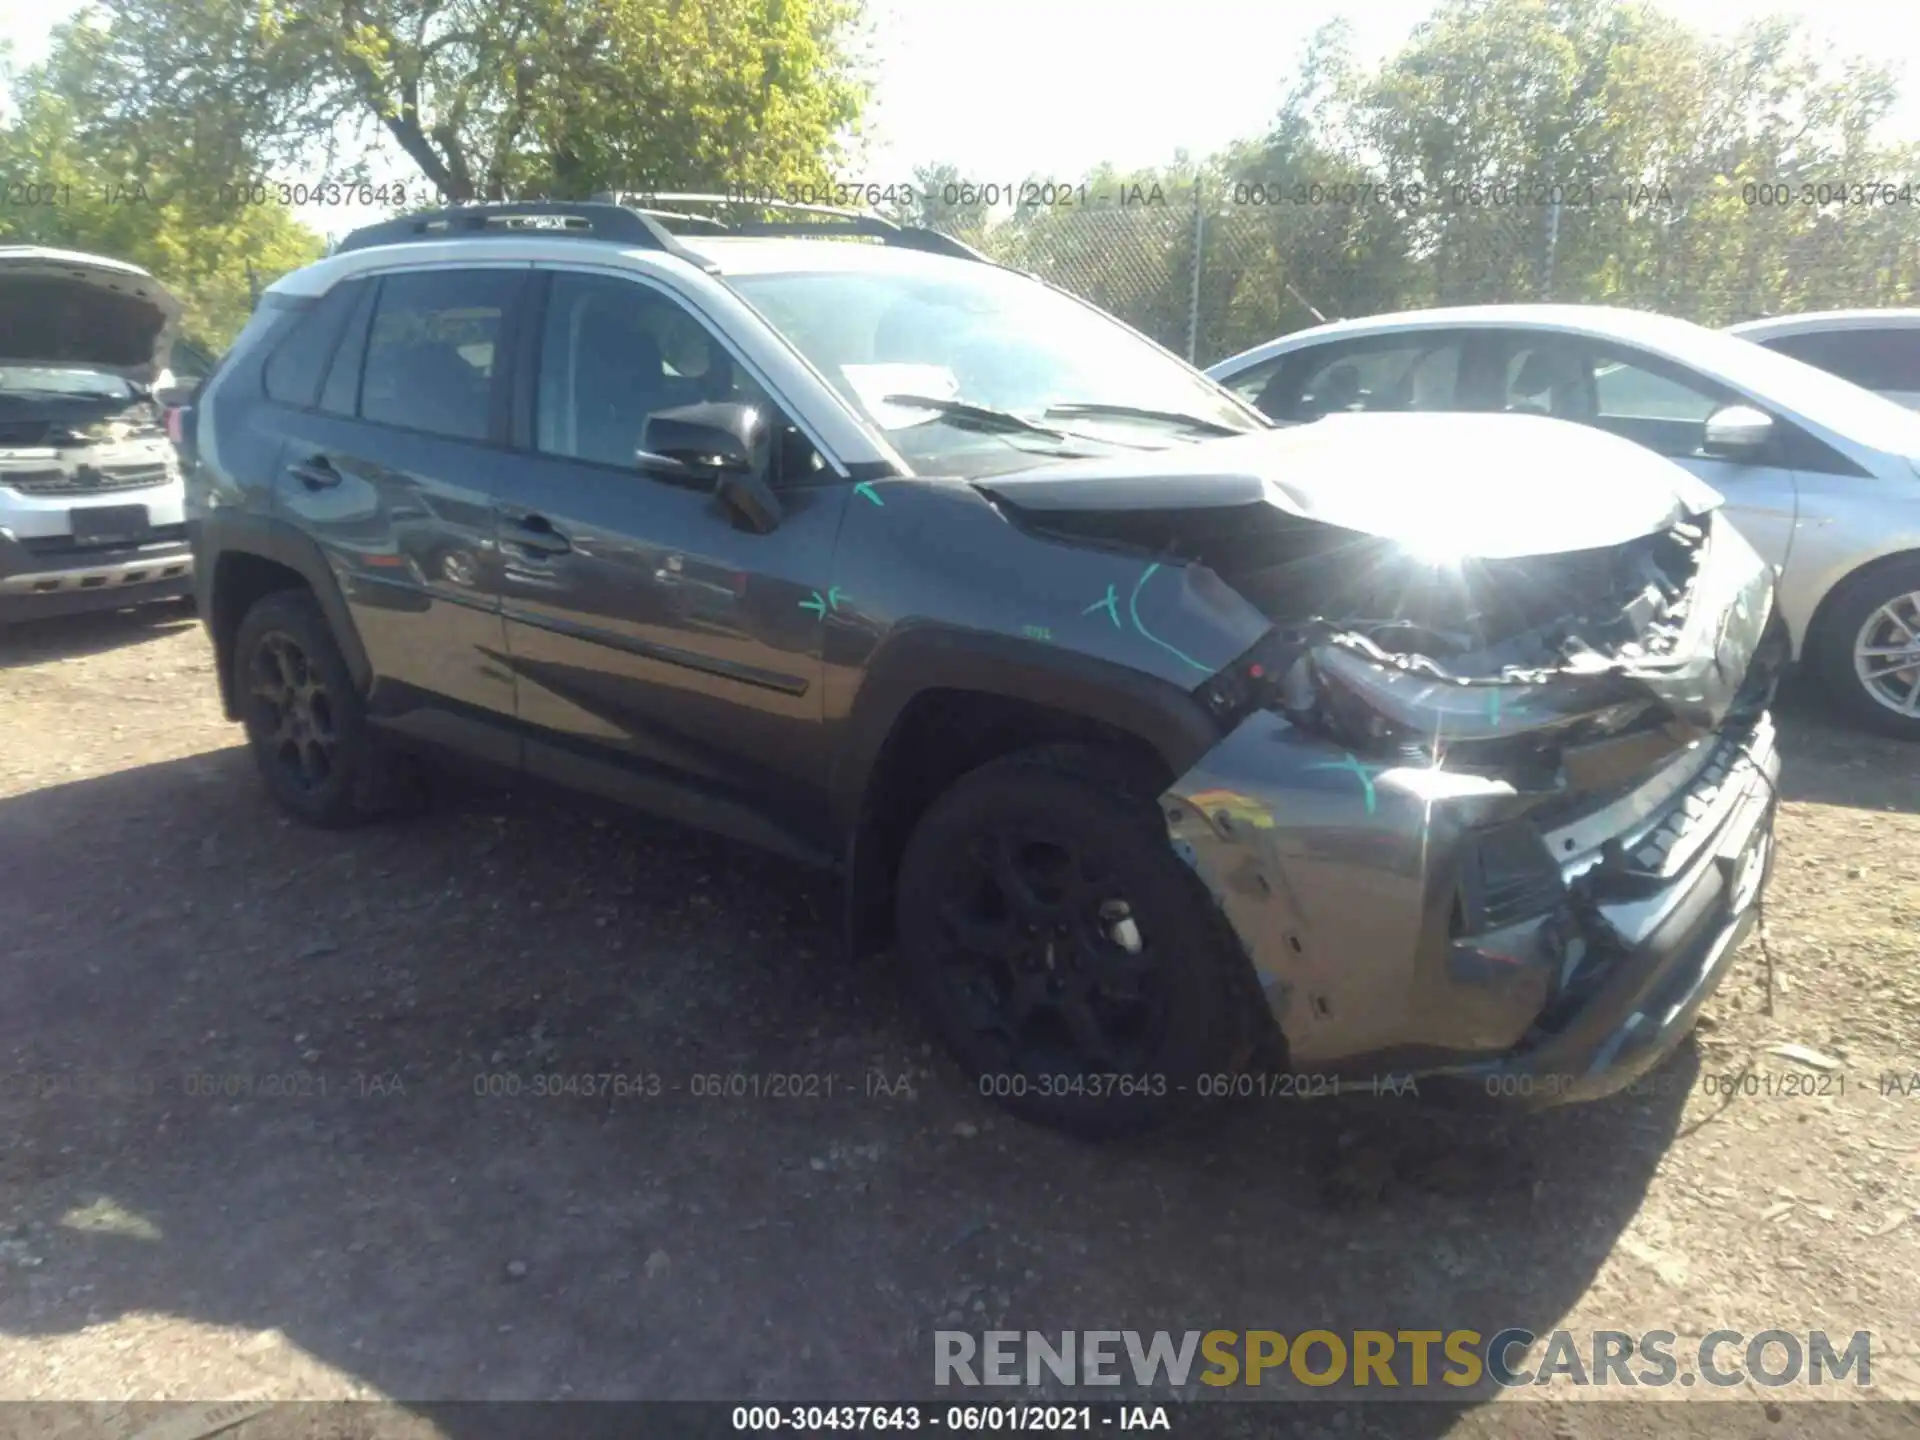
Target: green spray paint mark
[(1111, 605), (1495, 706), (866, 488), (819, 606), (1133, 609), (1036, 632), (1352, 763)]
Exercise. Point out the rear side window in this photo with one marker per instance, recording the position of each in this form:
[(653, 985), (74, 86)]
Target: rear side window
[(1878, 359), (294, 368), (433, 347)]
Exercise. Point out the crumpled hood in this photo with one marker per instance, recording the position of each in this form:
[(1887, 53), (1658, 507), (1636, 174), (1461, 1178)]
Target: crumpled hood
[(1445, 485), (60, 307)]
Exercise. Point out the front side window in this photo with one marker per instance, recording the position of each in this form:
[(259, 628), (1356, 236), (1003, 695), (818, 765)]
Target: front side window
[(1625, 390), (973, 370), (432, 348), (1591, 382), (1649, 399), (614, 352)]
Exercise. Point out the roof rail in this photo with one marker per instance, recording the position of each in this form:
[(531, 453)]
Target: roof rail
[(580, 219), (644, 200), (832, 220)]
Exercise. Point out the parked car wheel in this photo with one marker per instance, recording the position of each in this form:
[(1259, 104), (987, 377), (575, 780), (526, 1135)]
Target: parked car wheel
[(1868, 652), (1076, 968), (304, 718)]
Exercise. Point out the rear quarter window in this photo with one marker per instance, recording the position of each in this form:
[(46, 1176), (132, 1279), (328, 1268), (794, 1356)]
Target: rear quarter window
[(294, 370)]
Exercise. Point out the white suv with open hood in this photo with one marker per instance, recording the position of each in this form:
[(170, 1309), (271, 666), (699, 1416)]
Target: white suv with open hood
[(90, 493)]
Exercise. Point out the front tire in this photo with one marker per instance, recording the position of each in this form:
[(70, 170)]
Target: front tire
[(303, 715), (1074, 966), (1867, 654)]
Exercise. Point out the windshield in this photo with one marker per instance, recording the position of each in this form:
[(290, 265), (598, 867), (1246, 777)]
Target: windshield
[(979, 340), (48, 380), (1841, 406)]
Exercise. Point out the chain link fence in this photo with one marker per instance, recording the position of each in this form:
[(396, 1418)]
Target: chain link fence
[(1209, 275), (1209, 271)]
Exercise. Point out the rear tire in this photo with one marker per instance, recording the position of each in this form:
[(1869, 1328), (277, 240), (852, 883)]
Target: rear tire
[(1074, 966), (304, 718), (1869, 629)]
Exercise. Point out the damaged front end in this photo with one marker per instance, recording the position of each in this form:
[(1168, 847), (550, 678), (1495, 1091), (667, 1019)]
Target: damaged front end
[(1507, 829), (1493, 795)]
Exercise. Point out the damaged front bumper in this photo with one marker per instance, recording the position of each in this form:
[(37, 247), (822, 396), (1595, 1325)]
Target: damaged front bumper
[(1469, 924)]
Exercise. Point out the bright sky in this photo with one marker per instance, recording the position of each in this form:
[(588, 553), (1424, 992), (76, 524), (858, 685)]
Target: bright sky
[(1004, 89)]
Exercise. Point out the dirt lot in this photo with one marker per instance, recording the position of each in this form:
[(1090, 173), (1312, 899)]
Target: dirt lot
[(170, 1229)]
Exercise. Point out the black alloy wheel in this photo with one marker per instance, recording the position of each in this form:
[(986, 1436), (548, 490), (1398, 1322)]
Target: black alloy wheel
[(1073, 963), (1045, 957), (305, 720), (293, 712)]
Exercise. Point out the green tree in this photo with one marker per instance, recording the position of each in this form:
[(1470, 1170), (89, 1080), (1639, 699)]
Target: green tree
[(1664, 128), (97, 202), (1291, 247), (557, 97)]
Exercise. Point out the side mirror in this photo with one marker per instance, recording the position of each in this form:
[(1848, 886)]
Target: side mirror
[(1737, 432), (734, 442)]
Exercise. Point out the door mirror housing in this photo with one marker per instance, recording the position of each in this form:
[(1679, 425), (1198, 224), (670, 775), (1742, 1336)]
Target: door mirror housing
[(732, 442), (1737, 432), (708, 436)]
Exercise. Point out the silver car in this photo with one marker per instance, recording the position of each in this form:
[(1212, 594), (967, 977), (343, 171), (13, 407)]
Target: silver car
[(1879, 349), (90, 493), (1822, 476)]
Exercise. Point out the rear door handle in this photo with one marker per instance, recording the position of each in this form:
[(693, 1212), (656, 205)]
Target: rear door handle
[(316, 473), (536, 533)]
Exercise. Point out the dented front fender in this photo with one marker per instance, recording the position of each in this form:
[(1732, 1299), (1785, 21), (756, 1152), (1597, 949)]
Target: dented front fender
[(1338, 873)]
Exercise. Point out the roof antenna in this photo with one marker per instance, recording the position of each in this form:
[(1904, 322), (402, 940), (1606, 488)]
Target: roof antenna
[(1304, 301)]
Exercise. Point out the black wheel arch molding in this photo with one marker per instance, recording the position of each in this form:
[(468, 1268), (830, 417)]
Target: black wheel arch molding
[(1066, 693), (918, 659), (224, 589)]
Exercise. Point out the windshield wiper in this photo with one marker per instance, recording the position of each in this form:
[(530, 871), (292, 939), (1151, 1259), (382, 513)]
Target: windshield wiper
[(983, 416), (1142, 412), (1005, 422)]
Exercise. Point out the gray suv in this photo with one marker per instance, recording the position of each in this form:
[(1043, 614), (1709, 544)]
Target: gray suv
[(1178, 755)]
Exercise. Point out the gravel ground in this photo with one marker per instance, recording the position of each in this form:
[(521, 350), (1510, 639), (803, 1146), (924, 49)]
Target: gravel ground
[(271, 1166)]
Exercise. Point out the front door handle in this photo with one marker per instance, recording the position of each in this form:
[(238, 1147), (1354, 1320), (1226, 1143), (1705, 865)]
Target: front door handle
[(316, 473), (536, 533)]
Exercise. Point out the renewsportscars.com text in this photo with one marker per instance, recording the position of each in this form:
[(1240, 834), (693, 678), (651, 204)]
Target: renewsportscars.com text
[(1402, 1359)]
